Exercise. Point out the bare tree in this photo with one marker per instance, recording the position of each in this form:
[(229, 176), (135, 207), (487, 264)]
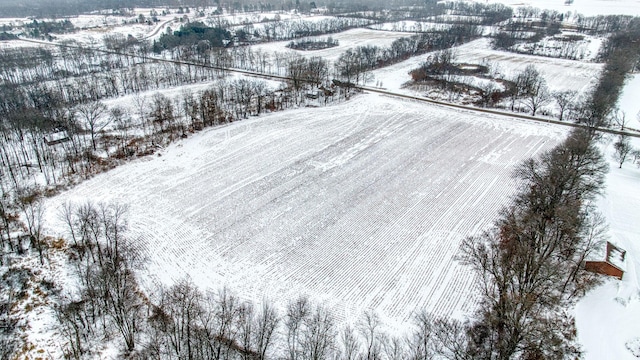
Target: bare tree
[(622, 149), (75, 328), (176, 319), (266, 325), (421, 342), (32, 208), (564, 99), (318, 335), (394, 347), (141, 108), (92, 114), (350, 344), (368, 327), (123, 123), (619, 118), (226, 315), (296, 314), (536, 94)]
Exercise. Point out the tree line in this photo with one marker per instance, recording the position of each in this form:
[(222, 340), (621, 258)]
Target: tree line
[(529, 264), (353, 65)]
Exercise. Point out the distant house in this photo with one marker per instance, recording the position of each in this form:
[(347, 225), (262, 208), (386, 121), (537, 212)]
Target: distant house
[(314, 94), (56, 138), (613, 264)]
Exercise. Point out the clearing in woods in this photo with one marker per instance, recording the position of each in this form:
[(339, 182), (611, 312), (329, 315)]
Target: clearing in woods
[(361, 205)]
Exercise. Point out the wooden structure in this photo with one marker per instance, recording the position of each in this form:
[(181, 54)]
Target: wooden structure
[(613, 264), (56, 138)]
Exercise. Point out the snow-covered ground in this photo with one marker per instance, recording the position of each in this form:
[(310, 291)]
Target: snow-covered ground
[(584, 7), (586, 49), (347, 40), (607, 318), (628, 101), (412, 26), (360, 205), (560, 74)]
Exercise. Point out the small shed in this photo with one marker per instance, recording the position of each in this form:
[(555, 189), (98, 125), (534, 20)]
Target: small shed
[(56, 138), (613, 264)]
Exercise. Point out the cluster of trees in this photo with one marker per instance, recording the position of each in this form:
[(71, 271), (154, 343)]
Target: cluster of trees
[(59, 142), (353, 64), (193, 34), (529, 26), (39, 29), (288, 30), (42, 8), (488, 13), (313, 70), (530, 89), (605, 24), (54, 128), (572, 47), (313, 44), (107, 301), (443, 62), (440, 69), (451, 12), (530, 264), (621, 53), (516, 32)]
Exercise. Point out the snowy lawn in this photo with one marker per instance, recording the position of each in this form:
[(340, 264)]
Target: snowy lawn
[(628, 101), (607, 318), (361, 205)]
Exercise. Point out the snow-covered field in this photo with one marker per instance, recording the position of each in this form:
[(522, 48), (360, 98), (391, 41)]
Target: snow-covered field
[(584, 7), (347, 39), (557, 46), (360, 205), (412, 26), (560, 74)]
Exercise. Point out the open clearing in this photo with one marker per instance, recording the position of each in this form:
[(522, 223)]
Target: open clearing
[(361, 205), (560, 74), (348, 39)]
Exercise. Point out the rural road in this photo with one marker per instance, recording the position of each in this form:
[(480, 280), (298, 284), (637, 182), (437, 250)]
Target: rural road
[(158, 29), (363, 88)]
